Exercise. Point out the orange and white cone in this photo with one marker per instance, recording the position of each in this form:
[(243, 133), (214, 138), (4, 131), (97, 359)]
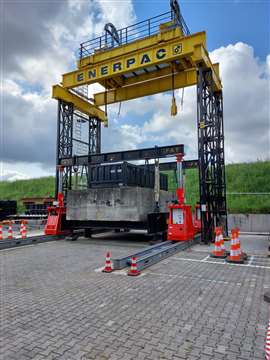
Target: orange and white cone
[(24, 232), (267, 343), (235, 251), (219, 251), (10, 232), (133, 268), (1, 232), (244, 255), (21, 228), (222, 243), (108, 264)]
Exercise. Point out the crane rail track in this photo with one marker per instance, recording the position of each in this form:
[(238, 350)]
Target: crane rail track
[(154, 254), (31, 240)]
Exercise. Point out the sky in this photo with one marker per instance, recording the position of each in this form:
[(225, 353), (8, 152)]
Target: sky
[(38, 43)]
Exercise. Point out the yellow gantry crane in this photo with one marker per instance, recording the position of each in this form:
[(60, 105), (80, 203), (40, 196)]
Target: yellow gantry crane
[(138, 68), (150, 57)]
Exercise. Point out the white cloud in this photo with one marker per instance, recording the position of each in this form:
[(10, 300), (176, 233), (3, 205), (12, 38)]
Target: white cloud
[(43, 54), (23, 170), (39, 42), (246, 102), (246, 108), (13, 175)]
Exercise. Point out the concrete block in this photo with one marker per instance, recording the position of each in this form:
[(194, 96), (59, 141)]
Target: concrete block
[(114, 204)]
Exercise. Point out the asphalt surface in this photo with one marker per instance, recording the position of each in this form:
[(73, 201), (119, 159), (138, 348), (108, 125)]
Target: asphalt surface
[(55, 303)]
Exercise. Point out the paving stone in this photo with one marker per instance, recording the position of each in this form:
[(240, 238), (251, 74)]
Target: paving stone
[(55, 306)]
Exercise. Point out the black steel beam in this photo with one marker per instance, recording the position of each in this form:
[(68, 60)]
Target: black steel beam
[(172, 165), (130, 155)]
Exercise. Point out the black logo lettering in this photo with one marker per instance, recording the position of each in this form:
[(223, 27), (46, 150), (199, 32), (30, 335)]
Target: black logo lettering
[(145, 59), (161, 53)]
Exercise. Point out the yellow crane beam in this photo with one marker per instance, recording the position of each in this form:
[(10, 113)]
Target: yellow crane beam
[(132, 57), (121, 81), (59, 93), (106, 54), (201, 56), (151, 87)]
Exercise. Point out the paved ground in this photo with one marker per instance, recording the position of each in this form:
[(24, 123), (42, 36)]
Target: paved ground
[(56, 305)]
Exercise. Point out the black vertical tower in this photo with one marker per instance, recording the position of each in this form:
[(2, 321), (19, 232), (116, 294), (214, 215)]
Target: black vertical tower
[(66, 139), (211, 155), (94, 136), (64, 142)]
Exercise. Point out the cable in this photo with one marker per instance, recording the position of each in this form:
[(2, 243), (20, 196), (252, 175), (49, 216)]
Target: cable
[(119, 109), (182, 98)]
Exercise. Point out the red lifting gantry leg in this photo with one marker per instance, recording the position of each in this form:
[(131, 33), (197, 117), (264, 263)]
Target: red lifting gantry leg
[(54, 225), (180, 226)]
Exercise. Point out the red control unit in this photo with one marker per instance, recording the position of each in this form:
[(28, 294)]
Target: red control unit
[(180, 226)]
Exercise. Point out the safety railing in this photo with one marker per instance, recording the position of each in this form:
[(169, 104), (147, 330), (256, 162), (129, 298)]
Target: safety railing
[(131, 33)]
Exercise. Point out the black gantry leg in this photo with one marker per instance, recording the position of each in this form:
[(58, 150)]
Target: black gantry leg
[(94, 136), (72, 142), (211, 156), (64, 145)]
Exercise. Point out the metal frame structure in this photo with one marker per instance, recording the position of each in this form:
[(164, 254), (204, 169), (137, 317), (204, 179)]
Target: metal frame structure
[(66, 139), (131, 33), (143, 62), (153, 254), (11, 243), (211, 155), (94, 136), (156, 152)]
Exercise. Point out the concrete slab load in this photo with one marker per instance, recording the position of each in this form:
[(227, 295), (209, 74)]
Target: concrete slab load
[(55, 304), (115, 204)]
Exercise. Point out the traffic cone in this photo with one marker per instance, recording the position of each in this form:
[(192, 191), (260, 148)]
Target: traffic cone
[(24, 232), (244, 255), (222, 243), (267, 343), (219, 252), (108, 264), (235, 251), (133, 268), (21, 228), (10, 231), (1, 233)]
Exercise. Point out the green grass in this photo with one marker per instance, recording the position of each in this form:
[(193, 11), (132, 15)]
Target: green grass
[(247, 177), (250, 177), (16, 190), (241, 178)]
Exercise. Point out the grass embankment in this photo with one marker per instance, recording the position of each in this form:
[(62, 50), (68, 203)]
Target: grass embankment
[(241, 178), (16, 190)]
